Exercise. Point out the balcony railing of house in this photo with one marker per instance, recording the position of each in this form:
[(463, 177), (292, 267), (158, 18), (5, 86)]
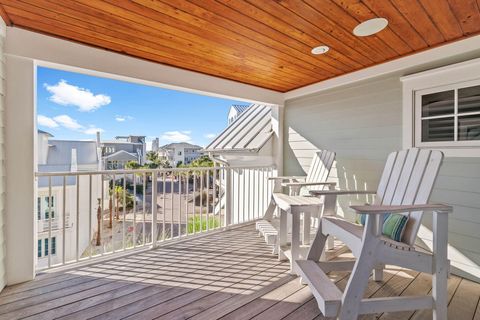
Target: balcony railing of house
[(92, 214)]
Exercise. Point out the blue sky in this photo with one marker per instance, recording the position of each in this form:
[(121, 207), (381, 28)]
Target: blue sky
[(75, 106)]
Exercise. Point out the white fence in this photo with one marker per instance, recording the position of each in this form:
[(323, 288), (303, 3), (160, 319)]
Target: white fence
[(85, 215)]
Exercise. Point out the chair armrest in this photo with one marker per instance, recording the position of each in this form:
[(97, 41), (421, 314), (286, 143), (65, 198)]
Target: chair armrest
[(340, 192), (286, 177), (304, 184), (374, 209)]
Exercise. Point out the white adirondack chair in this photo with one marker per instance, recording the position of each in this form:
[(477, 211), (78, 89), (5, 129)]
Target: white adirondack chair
[(316, 179), (405, 187)]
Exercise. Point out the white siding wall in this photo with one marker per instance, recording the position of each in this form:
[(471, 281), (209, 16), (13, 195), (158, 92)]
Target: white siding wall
[(2, 160), (362, 124)]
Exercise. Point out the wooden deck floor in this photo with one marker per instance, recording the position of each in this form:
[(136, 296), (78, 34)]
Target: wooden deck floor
[(228, 275)]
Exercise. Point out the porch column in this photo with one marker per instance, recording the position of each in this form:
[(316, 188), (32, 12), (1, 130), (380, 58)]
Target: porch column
[(20, 145), (277, 127), (3, 278)]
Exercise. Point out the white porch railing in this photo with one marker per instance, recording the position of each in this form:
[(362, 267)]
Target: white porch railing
[(86, 215)]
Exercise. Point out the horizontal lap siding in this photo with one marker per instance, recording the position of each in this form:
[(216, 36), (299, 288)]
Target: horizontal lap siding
[(2, 159), (362, 124)]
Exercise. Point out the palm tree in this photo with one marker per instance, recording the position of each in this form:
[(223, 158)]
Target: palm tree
[(152, 156), (132, 165), (129, 199), (118, 197)]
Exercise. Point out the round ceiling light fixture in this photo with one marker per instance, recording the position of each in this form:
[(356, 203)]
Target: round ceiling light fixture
[(369, 27), (320, 50)]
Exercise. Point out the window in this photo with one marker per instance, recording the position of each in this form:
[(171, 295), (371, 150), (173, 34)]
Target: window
[(43, 209), (441, 109), (49, 207), (39, 248), (179, 153), (448, 116), (44, 249), (39, 208), (54, 245)]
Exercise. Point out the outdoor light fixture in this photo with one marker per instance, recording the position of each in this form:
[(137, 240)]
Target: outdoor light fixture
[(369, 27), (320, 50)]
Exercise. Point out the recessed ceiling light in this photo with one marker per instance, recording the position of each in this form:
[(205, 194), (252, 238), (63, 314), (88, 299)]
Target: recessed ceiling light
[(320, 50), (369, 27)]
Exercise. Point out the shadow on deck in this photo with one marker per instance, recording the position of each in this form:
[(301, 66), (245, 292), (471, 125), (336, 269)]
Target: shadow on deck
[(228, 275)]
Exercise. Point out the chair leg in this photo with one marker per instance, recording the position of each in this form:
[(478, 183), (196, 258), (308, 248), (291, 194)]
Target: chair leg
[(317, 249), (356, 286), (378, 273), (270, 210), (441, 266), (275, 249), (330, 243)]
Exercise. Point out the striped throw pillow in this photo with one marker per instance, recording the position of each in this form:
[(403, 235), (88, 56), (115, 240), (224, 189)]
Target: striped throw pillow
[(394, 225)]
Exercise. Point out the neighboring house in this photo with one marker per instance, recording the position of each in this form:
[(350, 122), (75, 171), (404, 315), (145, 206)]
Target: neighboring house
[(235, 111), (246, 142), (155, 145), (64, 156), (119, 159), (116, 153), (181, 152)]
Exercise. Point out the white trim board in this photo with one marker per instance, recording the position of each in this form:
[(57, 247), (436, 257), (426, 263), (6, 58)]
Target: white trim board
[(70, 56), (460, 50)]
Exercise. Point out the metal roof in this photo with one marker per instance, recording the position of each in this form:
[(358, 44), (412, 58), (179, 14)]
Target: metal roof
[(60, 152), (240, 107), (45, 132), (251, 130)]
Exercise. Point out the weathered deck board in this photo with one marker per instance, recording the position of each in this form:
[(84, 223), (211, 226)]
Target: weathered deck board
[(228, 275)]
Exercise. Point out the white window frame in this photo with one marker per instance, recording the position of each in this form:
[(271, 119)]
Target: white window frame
[(418, 116), (452, 77)]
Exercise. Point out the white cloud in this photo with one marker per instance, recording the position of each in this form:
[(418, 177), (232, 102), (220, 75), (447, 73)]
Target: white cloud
[(69, 95), (176, 136), (46, 121), (68, 122), (210, 135), (72, 124), (120, 118), (93, 130)]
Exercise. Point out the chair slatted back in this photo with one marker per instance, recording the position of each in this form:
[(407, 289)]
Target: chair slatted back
[(408, 178), (320, 168)]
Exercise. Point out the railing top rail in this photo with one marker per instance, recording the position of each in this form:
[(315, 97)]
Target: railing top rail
[(134, 171)]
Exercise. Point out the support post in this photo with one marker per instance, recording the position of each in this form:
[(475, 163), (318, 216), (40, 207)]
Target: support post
[(441, 265), (228, 197), (154, 208)]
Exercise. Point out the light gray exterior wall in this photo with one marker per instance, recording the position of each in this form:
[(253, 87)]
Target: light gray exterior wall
[(3, 279), (362, 124)]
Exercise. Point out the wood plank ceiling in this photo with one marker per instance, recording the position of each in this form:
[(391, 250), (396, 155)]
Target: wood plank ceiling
[(264, 43)]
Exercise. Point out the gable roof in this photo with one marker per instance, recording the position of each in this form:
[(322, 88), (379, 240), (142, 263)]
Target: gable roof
[(180, 145), (251, 130), (121, 155)]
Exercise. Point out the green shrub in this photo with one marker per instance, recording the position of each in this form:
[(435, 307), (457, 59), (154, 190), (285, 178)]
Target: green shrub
[(194, 224)]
